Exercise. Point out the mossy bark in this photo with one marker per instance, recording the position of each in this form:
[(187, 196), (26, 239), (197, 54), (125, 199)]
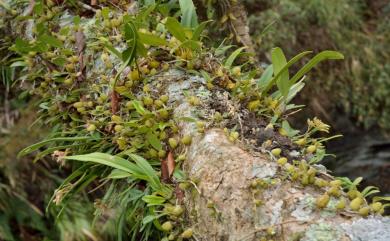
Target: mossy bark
[(223, 204)]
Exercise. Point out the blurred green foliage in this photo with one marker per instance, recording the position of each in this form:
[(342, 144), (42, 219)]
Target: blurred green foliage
[(358, 29)]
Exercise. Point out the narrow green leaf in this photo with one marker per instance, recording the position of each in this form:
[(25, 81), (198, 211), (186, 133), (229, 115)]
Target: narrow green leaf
[(153, 140), (107, 160), (285, 67), (138, 107), (38, 145), (148, 170), (199, 30), (149, 218), (357, 181), (191, 44), (294, 90), (118, 174), (324, 55), (266, 77), (151, 39), (229, 61), (113, 50), (19, 64)]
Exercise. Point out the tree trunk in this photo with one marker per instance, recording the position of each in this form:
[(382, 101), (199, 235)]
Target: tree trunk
[(240, 192), (224, 206)]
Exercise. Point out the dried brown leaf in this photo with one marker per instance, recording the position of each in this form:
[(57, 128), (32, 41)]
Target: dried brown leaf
[(170, 163)]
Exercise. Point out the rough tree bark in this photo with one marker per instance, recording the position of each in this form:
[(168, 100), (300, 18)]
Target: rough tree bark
[(223, 206)]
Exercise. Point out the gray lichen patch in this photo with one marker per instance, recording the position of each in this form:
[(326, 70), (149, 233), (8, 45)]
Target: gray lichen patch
[(370, 229), (304, 208), (264, 170), (323, 232)]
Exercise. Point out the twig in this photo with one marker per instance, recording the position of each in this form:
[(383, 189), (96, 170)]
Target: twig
[(85, 6)]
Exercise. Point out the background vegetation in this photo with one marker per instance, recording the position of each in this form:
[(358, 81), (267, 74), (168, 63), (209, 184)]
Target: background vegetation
[(360, 86)]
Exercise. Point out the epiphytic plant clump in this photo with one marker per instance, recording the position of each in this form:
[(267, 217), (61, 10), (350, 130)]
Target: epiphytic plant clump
[(99, 79)]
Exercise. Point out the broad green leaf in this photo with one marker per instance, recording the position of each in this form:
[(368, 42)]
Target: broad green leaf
[(60, 61), (38, 145), (285, 67), (278, 61), (189, 18), (151, 39), (191, 44), (76, 20), (147, 170), (314, 61), (153, 140), (21, 45), (106, 12), (141, 50), (50, 40), (229, 61), (290, 131), (175, 29), (152, 200)]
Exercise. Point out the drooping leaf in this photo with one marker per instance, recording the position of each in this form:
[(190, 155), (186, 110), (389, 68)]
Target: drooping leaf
[(148, 170), (107, 160), (38, 145), (324, 55)]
